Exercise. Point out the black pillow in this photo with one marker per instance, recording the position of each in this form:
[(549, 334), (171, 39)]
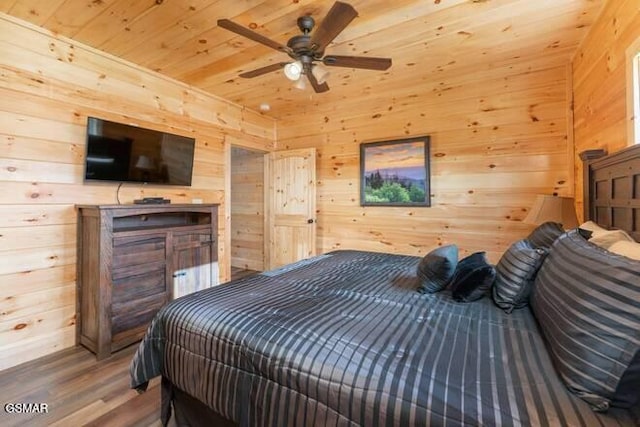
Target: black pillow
[(585, 233), (515, 274), (473, 278), (436, 268), (545, 234)]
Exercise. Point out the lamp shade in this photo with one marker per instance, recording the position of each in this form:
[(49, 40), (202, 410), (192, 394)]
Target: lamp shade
[(293, 70), (320, 73), (300, 84), (553, 208)]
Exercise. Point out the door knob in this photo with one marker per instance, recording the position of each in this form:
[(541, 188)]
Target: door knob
[(310, 221)]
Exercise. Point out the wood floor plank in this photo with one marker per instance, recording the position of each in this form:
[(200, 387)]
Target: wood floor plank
[(238, 273), (81, 391), (141, 409)]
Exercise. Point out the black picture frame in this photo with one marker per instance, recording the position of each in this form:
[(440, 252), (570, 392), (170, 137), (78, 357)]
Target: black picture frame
[(395, 172)]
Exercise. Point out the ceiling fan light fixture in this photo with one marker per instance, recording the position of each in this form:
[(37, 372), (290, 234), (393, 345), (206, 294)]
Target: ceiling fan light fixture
[(320, 73), (293, 70), (300, 84)]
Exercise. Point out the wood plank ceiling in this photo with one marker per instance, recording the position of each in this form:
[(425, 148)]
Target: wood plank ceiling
[(429, 42)]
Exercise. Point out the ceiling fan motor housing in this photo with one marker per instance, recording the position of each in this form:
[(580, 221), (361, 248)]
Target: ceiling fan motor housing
[(301, 46)]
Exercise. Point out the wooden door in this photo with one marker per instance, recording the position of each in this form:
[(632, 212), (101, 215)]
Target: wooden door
[(194, 262), (290, 199)]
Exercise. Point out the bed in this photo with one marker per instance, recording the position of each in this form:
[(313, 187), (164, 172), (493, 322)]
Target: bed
[(344, 339)]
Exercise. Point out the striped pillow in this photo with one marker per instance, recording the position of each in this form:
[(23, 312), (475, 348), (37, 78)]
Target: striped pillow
[(515, 274), (545, 234), (587, 302)]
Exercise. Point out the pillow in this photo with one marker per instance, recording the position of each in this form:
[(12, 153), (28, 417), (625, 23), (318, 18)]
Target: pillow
[(626, 248), (545, 234), (515, 274), (607, 238), (585, 233), (436, 268), (586, 303), (604, 238), (591, 226), (473, 278)]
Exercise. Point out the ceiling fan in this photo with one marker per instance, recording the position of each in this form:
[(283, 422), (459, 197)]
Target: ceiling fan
[(307, 50)]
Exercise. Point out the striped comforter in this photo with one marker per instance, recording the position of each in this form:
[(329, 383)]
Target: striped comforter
[(344, 339)]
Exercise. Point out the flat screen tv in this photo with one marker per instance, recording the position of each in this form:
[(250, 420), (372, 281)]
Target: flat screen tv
[(123, 153)]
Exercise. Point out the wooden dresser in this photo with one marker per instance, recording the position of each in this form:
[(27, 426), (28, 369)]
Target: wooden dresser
[(133, 259)]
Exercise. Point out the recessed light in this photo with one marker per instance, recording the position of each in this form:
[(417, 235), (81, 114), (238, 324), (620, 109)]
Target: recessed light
[(265, 107)]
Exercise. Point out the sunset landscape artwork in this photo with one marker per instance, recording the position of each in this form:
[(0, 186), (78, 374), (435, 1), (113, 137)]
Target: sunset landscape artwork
[(395, 173)]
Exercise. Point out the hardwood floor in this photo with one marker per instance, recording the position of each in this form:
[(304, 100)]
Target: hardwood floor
[(238, 273), (81, 391)]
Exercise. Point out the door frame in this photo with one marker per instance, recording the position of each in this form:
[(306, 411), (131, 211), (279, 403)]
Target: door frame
[(267, 199), (228, 148)]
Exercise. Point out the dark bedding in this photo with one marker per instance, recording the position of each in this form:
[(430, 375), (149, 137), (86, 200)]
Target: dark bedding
[(345, 339)]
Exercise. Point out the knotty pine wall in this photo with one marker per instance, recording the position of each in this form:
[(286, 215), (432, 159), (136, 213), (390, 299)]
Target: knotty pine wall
[(247, 209), (499, 136), (600, 85), (48, 86)]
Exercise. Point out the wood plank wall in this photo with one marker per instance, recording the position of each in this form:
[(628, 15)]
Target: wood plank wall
[(48, 86), (499, 136), (247, 209), (600, 86)]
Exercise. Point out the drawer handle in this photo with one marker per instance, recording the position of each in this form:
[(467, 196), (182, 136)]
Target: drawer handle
[(180, 274)]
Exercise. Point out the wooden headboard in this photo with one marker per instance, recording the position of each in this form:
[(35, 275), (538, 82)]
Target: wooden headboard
[(612, 189)]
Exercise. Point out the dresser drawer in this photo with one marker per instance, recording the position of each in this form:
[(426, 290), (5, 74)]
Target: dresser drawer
[(192, 240), (129, 320), (130, 284), (136, 250)]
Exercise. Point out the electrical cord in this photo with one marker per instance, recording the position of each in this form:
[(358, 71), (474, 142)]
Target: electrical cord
[(118, 193)]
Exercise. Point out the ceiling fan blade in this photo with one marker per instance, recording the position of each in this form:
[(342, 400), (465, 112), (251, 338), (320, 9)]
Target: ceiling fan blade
[(339, 16), (252, 35), (264, 70), (357, 62), (319, 88)]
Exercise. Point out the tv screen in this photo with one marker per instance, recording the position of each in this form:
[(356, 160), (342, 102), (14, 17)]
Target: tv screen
[(124, 153)]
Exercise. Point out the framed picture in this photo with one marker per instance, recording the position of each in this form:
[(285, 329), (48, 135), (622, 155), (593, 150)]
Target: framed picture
[(395, 173)]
